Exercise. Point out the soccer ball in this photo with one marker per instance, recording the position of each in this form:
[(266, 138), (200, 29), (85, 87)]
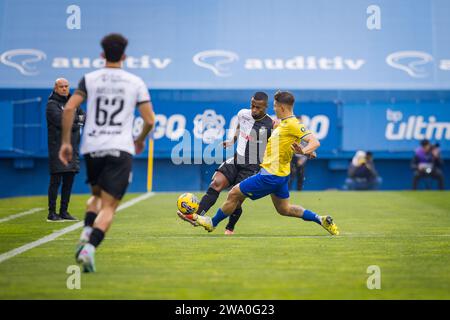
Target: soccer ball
[(187, 203)]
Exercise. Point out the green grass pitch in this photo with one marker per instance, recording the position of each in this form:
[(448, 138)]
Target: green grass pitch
[(150, 254)]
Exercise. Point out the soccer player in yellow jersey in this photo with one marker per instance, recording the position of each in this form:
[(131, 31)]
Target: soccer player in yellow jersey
[(275, 169)]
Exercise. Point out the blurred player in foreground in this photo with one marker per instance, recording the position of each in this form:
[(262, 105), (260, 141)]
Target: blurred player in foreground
[(112, 95), (273, 177)]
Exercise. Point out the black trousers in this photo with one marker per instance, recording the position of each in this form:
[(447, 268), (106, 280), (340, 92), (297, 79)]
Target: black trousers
[(298, 172), (436, 174), (55, 181)]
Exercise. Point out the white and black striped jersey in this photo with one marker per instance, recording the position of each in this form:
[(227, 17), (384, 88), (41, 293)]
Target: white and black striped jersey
[(112, 95), (252, 138)]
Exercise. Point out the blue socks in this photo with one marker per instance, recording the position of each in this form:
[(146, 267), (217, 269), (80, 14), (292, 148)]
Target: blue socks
[(218, 217), (311, 216)]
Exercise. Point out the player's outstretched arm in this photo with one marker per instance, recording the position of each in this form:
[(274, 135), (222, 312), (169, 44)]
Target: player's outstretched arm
[(146, 111), (312, 144), (309, 149), (229, 143), (65, 152), (297, 148)]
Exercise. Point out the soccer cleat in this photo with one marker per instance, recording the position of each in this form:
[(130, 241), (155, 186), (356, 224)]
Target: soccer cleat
[(229, 232), (329, 225), (187, 218), (84, 238), (86, 258), (204, 221)]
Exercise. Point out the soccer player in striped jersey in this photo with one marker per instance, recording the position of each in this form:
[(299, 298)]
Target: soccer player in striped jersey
[(253, 131)]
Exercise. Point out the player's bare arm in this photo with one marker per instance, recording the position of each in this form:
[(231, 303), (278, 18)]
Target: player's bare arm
[(147, 113), (310, 148), (65, 152), (229, 143)]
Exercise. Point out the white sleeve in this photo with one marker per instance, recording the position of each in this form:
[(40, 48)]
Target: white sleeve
[(240, 114)]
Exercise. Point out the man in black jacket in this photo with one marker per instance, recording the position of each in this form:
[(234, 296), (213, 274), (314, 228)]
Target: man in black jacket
[(59, 172)]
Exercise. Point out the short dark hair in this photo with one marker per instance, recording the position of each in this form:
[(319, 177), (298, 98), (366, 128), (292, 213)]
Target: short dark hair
[(114, 45), (284, 97), (424, 142), (261, 96)]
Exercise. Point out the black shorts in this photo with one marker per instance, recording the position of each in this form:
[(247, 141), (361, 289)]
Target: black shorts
[(236, 173), (110, 170)]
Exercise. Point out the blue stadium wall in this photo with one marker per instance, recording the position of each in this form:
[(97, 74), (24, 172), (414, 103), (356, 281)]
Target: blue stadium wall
[(27, 173)]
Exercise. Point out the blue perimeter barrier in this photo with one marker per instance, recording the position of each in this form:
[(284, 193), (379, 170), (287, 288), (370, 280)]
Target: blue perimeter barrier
[(389, 123)]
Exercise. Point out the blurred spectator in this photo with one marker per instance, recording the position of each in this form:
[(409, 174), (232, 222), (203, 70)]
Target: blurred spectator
[(298, 170), (361, 173), (427, 163)]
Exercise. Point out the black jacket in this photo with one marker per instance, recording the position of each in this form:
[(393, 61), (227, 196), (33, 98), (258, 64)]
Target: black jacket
[(55, 106)]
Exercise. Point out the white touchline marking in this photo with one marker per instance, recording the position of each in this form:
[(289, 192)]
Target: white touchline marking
[(18, 215), (8, 255)]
